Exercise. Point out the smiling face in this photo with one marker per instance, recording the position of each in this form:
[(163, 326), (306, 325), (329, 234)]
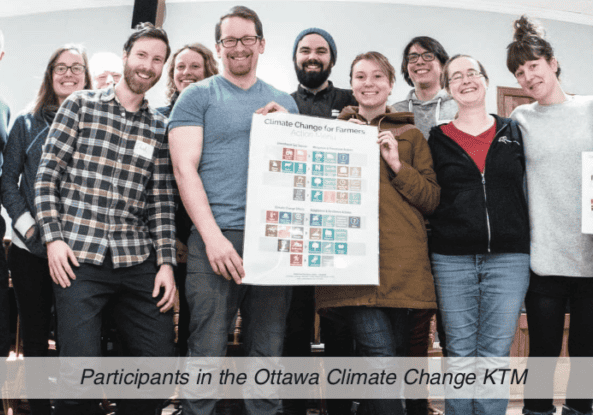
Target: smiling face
[(538, 79), (424, 74), (313, 61), (67, 83), (143, 66), (468, 90), (106, 78), (370, 85), (239, 60), (189, 68)]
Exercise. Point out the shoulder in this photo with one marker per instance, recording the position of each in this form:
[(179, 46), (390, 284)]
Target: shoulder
[(166, 110), (273, 94)]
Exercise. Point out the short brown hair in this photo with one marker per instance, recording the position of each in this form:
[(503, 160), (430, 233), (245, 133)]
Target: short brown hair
[(445, 73), (210, 65), (46, 97), (528, 45), (380, 60), (147, 29), (244, 13)]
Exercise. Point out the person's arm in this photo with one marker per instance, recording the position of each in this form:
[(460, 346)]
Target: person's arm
[(57, 153), (186, 143), (14, 161), (417, 182), (161, 223)]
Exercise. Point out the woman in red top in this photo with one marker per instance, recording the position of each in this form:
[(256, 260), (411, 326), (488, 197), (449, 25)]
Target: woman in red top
[(480, 231)]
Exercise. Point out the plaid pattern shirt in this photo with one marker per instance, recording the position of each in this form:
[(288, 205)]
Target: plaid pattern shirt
[(105, 181)]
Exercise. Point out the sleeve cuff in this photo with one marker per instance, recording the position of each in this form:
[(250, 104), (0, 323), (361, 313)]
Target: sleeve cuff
[(24, 223), (166, 255)]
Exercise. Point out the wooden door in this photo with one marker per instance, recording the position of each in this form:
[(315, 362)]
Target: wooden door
[(510, 98)]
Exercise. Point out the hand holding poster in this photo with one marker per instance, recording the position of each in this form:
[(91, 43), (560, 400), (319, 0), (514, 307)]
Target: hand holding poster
[(312, 202)]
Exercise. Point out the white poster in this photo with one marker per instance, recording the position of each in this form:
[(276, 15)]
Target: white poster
[(587, 193), (312, 202)]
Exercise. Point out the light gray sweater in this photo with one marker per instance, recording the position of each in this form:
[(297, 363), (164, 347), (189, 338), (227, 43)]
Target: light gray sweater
[(439, 110), (554, 137)]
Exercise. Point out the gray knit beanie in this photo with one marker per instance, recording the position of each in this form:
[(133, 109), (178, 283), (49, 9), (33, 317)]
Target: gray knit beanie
[(328, 38)]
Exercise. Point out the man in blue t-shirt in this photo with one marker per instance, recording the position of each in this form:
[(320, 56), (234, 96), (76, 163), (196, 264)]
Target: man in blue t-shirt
[(209, 139)]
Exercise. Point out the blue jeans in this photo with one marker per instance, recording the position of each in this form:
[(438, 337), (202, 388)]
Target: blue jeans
[(213, 303), (380, 332), (480, 298)]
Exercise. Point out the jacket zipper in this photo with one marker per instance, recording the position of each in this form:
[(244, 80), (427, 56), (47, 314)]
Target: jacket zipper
[(496, 135), (486, 207)]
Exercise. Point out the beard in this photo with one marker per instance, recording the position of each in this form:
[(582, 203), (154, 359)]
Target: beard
[(312, 79), (139, 86)]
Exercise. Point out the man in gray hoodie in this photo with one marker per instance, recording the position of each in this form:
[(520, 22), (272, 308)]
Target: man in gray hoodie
[(422, 64)]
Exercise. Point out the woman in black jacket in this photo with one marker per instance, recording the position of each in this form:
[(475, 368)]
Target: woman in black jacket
[(480, 231)]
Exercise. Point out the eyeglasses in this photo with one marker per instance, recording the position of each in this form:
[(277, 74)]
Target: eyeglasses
[(231, 42), (458, 77), (426, 56), (76, 69)]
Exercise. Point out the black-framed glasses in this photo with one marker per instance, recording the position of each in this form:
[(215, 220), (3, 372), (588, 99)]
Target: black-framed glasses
[(426, 56), (458, 77), (76, 69), (231, 42)]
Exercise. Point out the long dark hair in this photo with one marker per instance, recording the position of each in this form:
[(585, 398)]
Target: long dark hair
[(46, 97), (528, 45)]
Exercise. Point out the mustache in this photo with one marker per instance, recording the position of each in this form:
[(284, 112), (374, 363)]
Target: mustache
[(151, 74), (313, 62)]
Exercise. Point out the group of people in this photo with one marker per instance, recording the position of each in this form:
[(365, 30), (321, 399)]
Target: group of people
[(91, 178)]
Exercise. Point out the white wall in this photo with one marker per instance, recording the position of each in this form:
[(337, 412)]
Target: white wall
[(356, 27)]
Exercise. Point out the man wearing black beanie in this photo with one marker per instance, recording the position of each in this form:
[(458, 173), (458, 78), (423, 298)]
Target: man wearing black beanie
[(314, 55)]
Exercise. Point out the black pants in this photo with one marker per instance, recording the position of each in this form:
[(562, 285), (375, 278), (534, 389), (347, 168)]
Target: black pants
[(34, 296), (145, 331), (546, 303)]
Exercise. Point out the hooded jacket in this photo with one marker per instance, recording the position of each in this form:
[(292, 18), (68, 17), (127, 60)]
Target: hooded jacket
[(439, 110), (479, 212), (405, 278)]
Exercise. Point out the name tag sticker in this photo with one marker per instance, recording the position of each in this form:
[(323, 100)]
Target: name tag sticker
[(143, 149)]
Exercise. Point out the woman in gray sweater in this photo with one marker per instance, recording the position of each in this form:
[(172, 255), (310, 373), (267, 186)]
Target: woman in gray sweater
[(557, 128)]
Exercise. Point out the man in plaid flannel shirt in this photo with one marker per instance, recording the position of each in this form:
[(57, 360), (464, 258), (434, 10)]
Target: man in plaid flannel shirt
[(104, 201)]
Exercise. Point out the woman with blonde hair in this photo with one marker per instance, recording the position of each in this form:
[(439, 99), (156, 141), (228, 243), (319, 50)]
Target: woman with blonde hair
[(378, 315)]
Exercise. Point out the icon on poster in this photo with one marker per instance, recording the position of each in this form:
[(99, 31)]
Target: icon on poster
[(287, 167), (314, 246), (298, 195), (314, 260), (272, 230), (288, 154), (296, 260), (283, 245), (343, 158), (271, 216), (301, 155), (300, 181), (354, 222), (298, 218), (296, 246), (328, 234)]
